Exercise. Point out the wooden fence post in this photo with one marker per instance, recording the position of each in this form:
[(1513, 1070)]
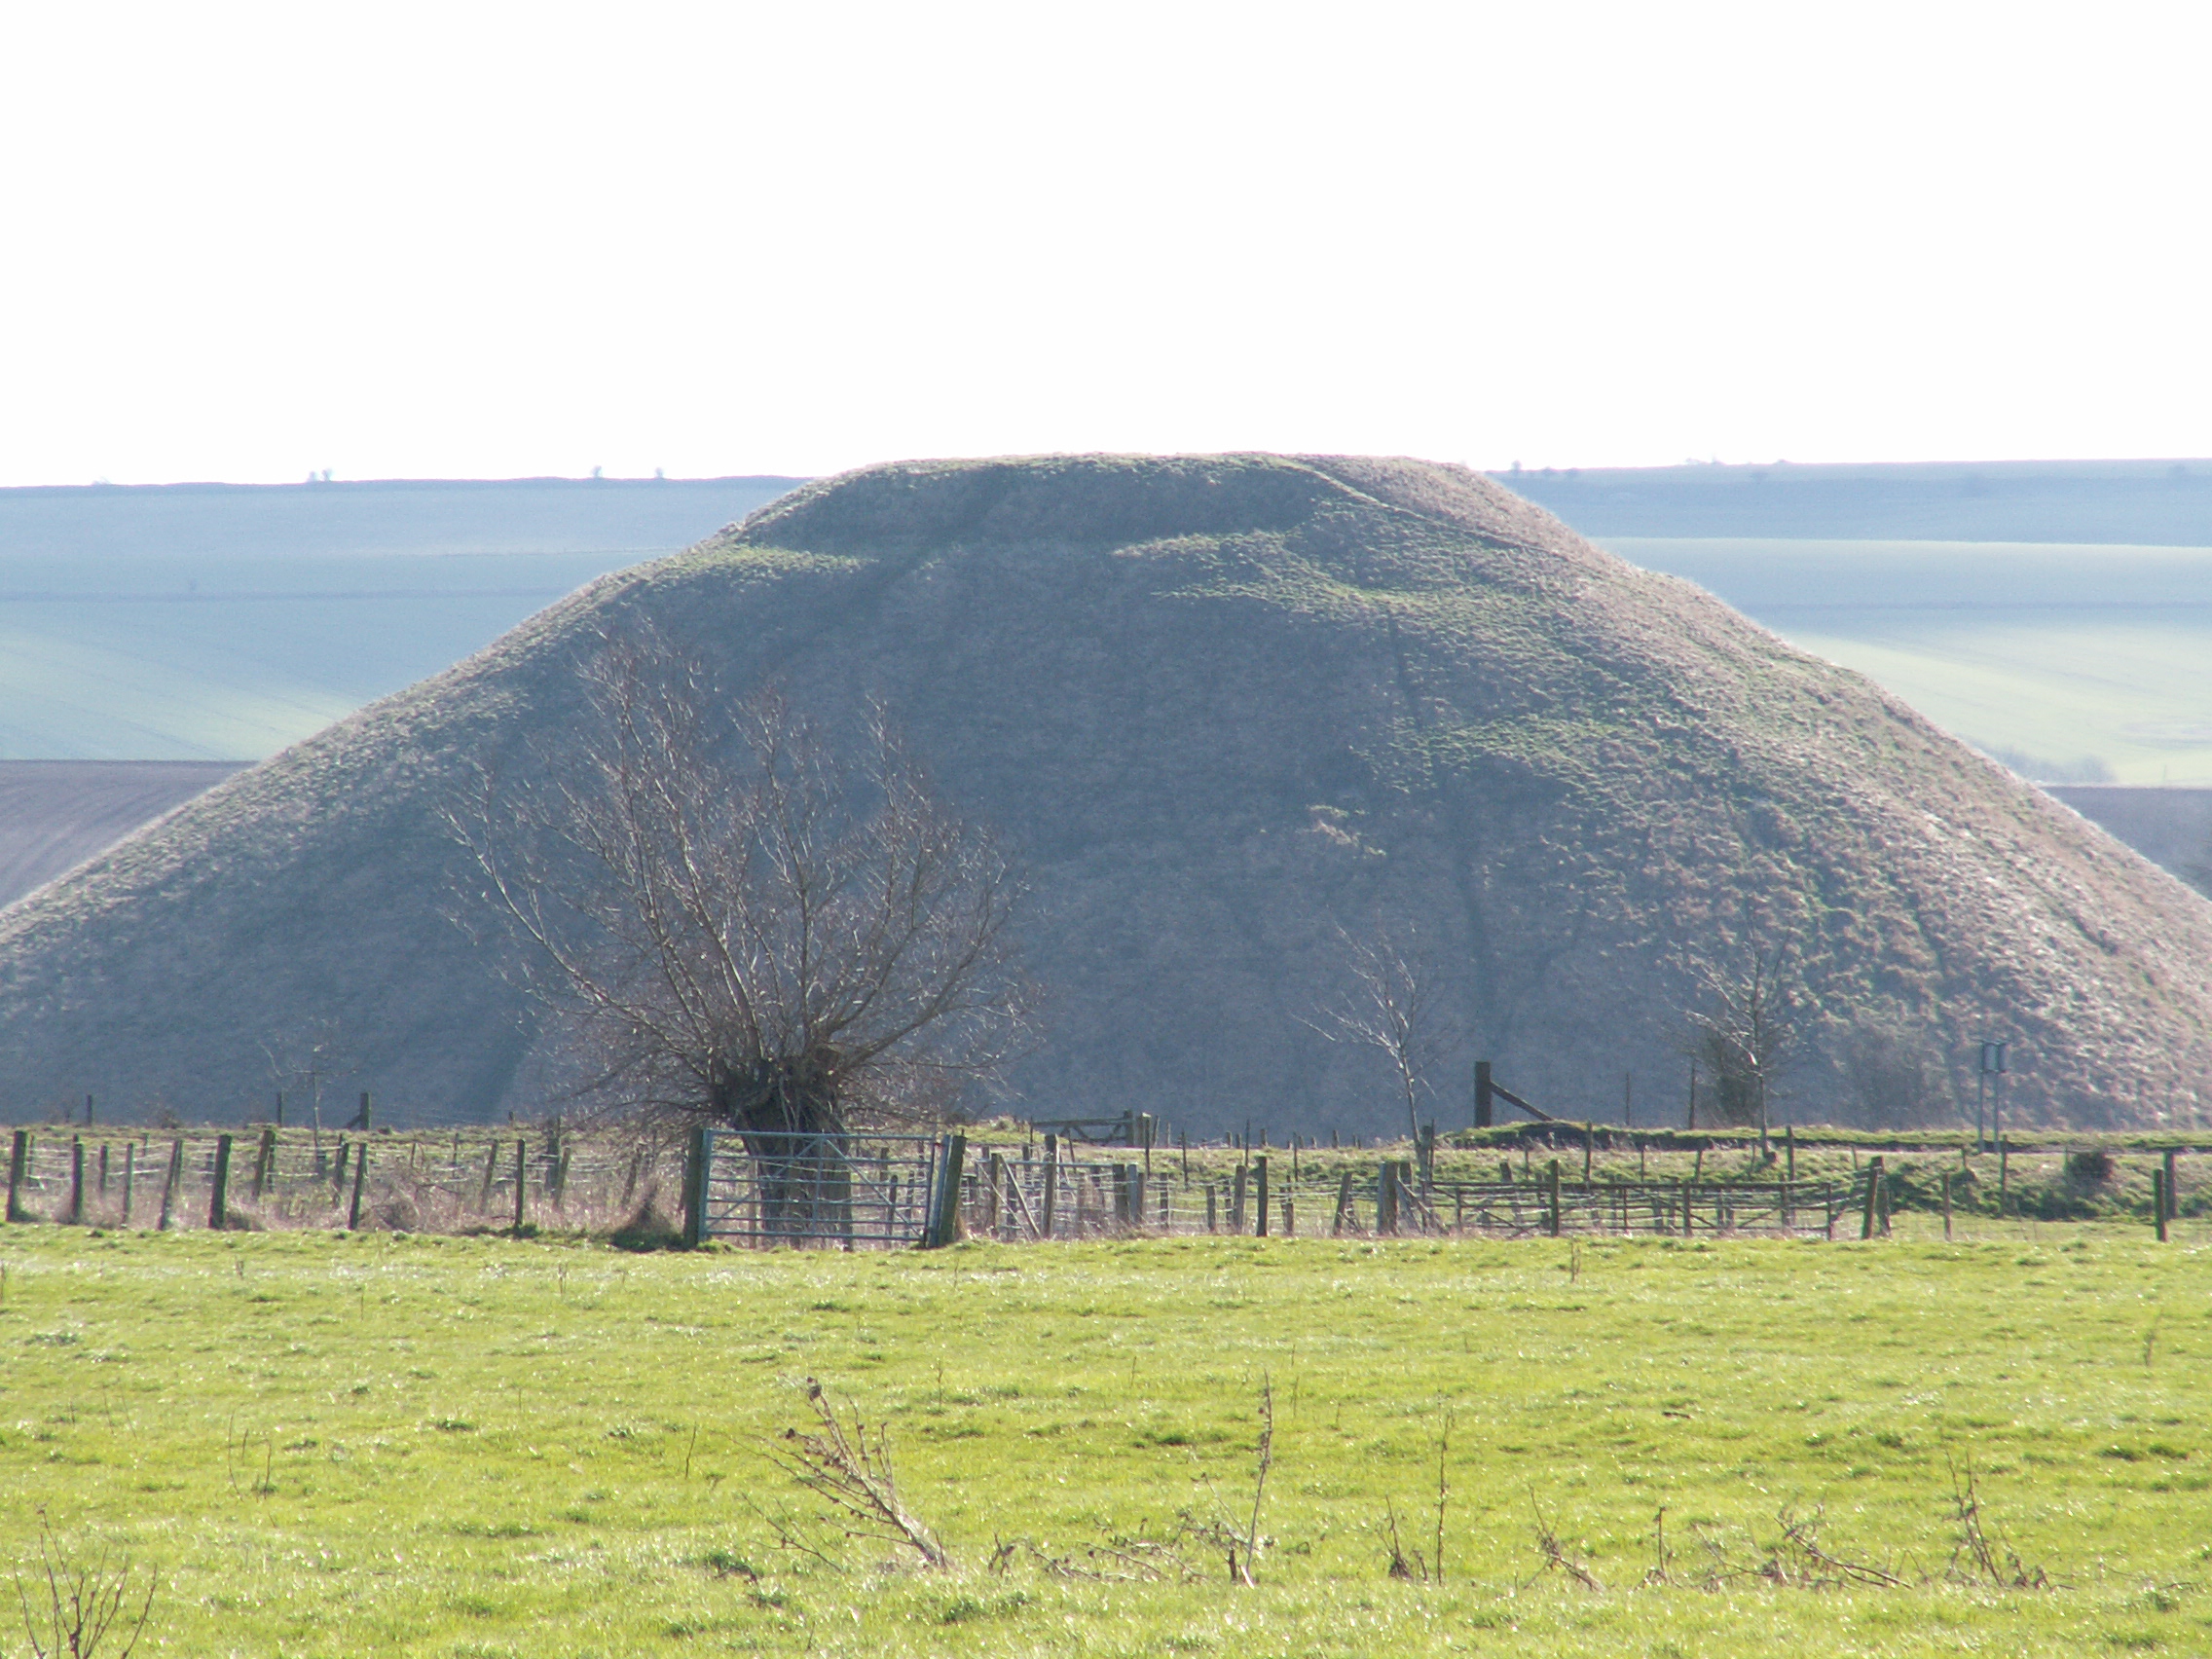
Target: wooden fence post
[(1873, 1185), (17, 1159), (169, 1184), (1386, 1199), (2159, 1202), (218, 1197), (1555, 1197), (1260, 1179), (2173, 1202), (129, 1177), (360, 1169), (695, 1181), (1213, 1222), (1051, 1183), (1236, 1203), (1344, 1206), (77, 1176), (103, 1169), (490, 1174), (263, 1164), (945, 1211), (521, 1183)]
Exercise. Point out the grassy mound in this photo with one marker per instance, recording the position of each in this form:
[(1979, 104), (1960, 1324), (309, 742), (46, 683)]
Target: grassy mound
[(1219, 706)]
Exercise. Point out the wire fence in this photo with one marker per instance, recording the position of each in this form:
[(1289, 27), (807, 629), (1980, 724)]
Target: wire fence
[(877, 1191)]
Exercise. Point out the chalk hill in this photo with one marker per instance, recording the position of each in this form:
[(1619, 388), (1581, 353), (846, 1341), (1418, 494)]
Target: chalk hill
[(1219, 706)]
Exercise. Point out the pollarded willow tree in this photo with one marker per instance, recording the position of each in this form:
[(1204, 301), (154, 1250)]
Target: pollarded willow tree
[(736, 925)]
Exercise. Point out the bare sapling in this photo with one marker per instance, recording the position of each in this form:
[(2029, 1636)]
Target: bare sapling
[(74, 1606), (1394, 1006), (849, 1475)]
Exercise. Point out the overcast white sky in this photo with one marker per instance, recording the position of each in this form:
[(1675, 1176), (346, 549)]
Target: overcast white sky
[(245, 241)]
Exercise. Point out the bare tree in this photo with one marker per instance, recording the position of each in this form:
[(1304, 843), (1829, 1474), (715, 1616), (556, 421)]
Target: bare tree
[(1392, 1006), (1746, 1033), (740, 927)]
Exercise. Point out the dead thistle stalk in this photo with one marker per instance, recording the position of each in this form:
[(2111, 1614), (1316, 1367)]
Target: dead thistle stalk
[(854, 1480)]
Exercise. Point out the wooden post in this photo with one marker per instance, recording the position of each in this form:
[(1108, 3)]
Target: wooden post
[(1052, 1181), (992, 1210), (1344, 1206), (521, 1183), (360, 1169), (218, 1197), (945, 1216), (263, 1164), (129, 1178), (1237, 1204), (338, 1181), (1212, 1223), (103, 1169), (77, 1174), (2173, 1202), (1947, 1206), (1259, 1177), (695, 1161), (1873, 1185), (1386, 1199), (1555, 1197), (490, 1174), (17, 1160), (169, 1185)]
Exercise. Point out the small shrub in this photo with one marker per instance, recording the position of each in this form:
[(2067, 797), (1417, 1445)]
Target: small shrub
[(2090, 1168)]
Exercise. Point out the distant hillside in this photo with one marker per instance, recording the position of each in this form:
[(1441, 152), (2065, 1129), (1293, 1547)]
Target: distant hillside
[(2165, 503), (217, 621), (1218, 706), (55, 814)]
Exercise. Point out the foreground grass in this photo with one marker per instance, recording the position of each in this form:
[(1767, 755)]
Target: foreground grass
[(473, 1447)]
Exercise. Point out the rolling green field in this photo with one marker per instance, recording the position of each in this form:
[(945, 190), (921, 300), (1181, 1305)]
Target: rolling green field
[(334, 1445)]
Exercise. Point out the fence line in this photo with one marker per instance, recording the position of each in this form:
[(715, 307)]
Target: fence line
[(868, 1191)]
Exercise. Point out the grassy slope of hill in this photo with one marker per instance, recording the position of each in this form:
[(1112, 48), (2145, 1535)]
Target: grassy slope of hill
[(331, 1445), (1218, 705)]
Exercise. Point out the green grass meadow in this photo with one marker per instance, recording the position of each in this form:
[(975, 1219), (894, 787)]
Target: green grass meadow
[(381, 1444)]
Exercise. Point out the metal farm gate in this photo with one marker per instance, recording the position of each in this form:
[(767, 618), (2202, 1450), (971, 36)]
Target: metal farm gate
[(827, 1192)]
